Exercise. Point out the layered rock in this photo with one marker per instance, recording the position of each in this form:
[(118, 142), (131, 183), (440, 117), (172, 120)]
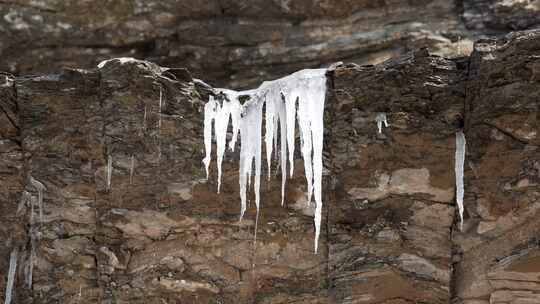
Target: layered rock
[(502, 170), (392, 211), (241, 43), (128, 216)]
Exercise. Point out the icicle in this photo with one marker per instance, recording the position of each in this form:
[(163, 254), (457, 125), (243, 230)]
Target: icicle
[(209, 115), (223, 114), (250, 149), (109, 171), (235, 109), (144, 120), (131, 169), (290, 110), (159, 110), (11, 275), (269, 128), (380, 119), (39, 187), (304, 121), (459, 164)]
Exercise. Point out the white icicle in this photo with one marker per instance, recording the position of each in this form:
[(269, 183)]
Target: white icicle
[(270, 119), (306, 145), (159, 110), (290, 110), (220, 128), (235, 109), (109, 171), (39, 187), (144, 121), (380, 119), (250, 149), (459, 167), (11, 275), (209, 115)]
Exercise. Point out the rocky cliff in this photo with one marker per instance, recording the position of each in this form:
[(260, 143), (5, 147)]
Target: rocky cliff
[(239, 43), (104, 197)]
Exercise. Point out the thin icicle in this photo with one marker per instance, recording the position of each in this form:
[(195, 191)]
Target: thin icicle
[(223, 114), (144, 120), (109, 171), (250, 150), (306, 145), (131, 169), (270, 120), (159, 110), (459, 165), (39, 188), (209, 115), (381, 119), (290, 113), (11, 275)]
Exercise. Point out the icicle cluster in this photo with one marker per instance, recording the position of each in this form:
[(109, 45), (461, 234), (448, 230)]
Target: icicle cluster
[(300, 94), (459, 164)]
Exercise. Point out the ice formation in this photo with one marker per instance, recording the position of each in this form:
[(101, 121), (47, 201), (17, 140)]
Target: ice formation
[(380, 119), (301, 95), (39, 187), (11, 275), (459, 163), (109, 171)]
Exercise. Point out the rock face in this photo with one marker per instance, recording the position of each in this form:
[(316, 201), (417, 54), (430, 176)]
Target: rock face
[(129, 218), (239, 43)]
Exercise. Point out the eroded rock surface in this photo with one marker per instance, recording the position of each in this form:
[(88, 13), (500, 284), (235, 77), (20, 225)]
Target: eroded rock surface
[(128, 216), (239, 43)]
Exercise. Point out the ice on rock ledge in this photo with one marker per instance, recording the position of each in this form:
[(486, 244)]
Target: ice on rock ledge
[(302, 95)]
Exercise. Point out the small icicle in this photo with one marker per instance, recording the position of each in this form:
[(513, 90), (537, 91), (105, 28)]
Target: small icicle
[(269, 128), (223, 114), (11, 275), (209, 115), (109, 171), (159, 110), (459, 168), (380, 119), (39, 187), (290, 109), (144, 120), (306, 145), (131, 169)]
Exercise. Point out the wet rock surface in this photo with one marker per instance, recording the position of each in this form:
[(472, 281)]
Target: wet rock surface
[(233, 43), (128, 216)]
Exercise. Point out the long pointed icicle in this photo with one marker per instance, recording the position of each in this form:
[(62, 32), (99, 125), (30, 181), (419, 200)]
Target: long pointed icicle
[(307, 89), (459, 165), (209, 115), (11, 275)]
